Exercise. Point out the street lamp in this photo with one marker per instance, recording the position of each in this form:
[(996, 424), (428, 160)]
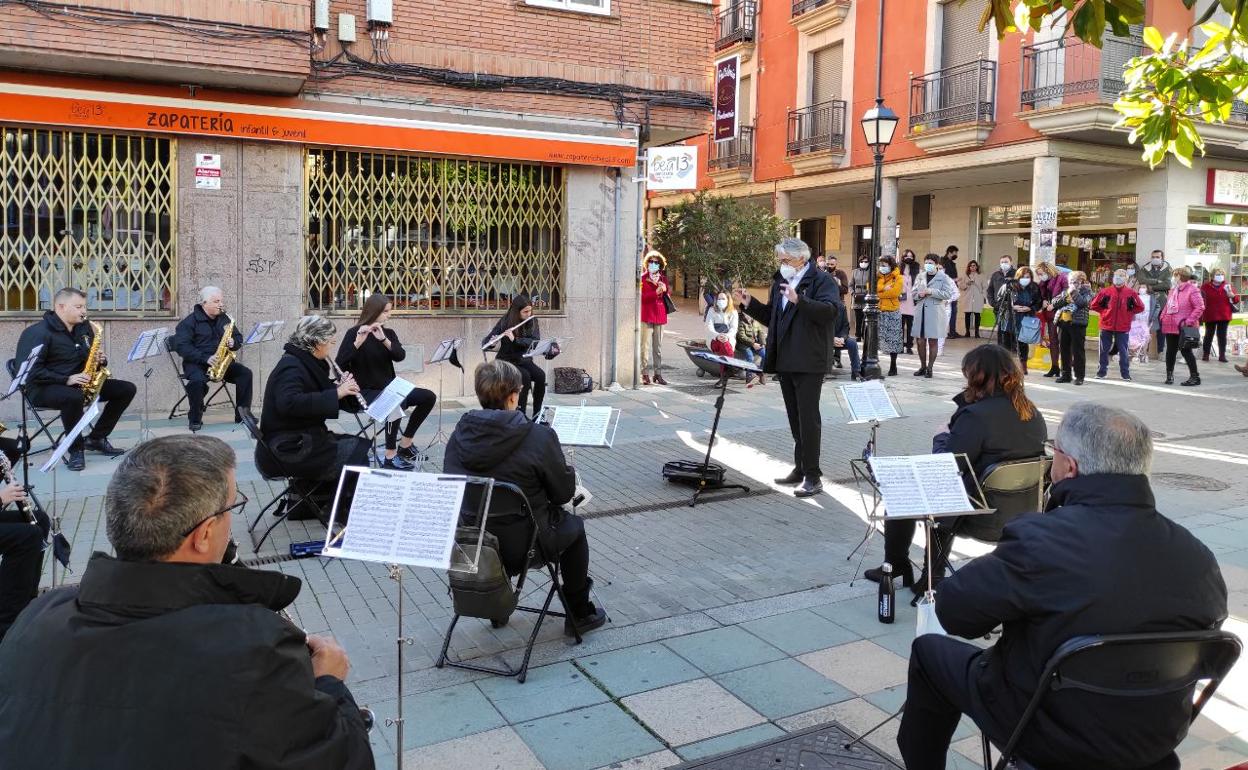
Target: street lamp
[(878, 126)]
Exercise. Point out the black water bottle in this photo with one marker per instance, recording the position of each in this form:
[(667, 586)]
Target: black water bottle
[(887, 597)]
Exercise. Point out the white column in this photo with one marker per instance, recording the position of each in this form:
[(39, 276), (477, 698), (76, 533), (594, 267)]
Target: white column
[(782, 204), (1046, 174), (888, 217)]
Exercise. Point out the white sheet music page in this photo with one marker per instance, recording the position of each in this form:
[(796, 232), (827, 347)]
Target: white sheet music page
[(868, 401), (407, 518), (387, 401), (922, 485), (68, 439), (582, 425)]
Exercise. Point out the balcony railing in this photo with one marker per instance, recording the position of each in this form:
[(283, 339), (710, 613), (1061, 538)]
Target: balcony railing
[(1069, 70), (733, 153), (954, 96), (802, 6), (817, 127), (736, 23)]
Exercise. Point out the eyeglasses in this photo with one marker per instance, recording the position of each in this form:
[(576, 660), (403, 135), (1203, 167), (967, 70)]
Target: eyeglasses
[(1051, 445), (237, 507)]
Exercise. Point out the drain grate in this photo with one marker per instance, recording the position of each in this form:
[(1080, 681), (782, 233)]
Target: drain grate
[(711, 497), (818, 748), (1190, 483)]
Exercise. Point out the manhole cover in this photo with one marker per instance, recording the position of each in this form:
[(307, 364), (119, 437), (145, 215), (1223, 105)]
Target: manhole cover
[(819, 748), (1190, 483)]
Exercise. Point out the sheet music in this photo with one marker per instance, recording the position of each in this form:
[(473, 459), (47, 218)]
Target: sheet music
[(582, 425), (868, 401), (23, 371), (443, 351), (920, 485), (408, 518), (729, 361), (257, 333), (541, 348), (68, 439), (387, 402), (149, 343), (274, 329)]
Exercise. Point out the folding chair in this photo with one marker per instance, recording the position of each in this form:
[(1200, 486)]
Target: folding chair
[(1012, 487), (212, 395), (508, 504), (285, 500), (45, 426), (1129, 666)]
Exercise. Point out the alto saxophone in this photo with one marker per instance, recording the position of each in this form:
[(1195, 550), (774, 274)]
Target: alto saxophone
[(339, 376), (96, 373), (225, 356)]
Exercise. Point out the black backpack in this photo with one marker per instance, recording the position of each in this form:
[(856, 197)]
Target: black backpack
[(571, 380), (488, 592)]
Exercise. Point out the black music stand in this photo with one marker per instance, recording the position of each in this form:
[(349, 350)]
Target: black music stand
[(705, 483)]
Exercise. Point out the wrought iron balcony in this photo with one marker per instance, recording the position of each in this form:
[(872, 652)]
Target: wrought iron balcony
[(954, 96), (802, 6), (733, 153), (817, 127), (736, 23), (1069, 71)]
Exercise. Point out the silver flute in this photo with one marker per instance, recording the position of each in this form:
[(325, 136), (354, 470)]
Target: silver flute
[(341, 377)]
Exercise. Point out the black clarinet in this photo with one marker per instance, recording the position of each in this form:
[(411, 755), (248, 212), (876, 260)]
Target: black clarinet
[(6, 476)]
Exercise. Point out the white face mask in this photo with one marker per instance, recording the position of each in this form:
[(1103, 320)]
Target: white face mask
[(787, 272), (1005, 267), (1024, 281), (862, 264), (930, 268), (1119, 280), (1043, 278), (1219, 278), (1157, 261), (722, 304), (885, 269), (1131, 271), (653, 267)]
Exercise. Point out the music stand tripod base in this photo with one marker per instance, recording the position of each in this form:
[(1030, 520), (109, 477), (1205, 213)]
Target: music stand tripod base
[(711, 484)]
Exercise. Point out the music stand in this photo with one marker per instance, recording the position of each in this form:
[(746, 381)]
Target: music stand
[(63, 445), (706, 484), (442, 354), (871, 403), (264, 331), (587, 426), (149, 343)]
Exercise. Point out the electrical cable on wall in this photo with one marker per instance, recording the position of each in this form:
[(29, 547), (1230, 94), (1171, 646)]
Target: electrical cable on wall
[(216, 31)]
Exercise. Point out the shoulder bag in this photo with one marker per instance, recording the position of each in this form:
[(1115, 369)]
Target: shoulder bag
[(1029, 330)]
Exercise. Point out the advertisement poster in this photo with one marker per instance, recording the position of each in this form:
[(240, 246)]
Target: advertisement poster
[(727, 93), (1043, 234), (672, 168)]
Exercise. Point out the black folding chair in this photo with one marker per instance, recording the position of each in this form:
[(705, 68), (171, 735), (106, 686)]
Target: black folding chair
[(45, 426), (1130, 666), (285, 500), (209, 402), (508, 504)]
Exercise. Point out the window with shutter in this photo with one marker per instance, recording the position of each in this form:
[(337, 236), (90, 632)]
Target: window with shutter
[(600, 7), (825, 74), (961, 41), (745, 110)]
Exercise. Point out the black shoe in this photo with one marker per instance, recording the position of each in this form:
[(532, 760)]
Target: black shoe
[(75, 460), (922, 371), (1222, 360), (1169, 378), (954, 335), (397, 463), (928, 373), (1062, 379), (1100, 375), (836, 363), (1190, 381), (793, 478), (809, 488), (410, 454), (196, 425), (909, 351), (586, 623), (1079, 381), (1053, 373), (876, 574), (103, 446), (1126, 378), (892, 371)]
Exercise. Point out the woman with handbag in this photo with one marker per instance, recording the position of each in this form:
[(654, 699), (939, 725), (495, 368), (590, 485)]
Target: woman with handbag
[(1071, 315), (1025, 301), (1220, 303), (656, 303), (721, 330), (1180, 322), (1052, 283)]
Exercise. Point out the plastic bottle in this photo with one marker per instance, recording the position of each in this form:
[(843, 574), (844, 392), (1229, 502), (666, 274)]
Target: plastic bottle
[(887, 596)]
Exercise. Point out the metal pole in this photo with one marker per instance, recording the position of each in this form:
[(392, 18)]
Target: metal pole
[(871, 310)]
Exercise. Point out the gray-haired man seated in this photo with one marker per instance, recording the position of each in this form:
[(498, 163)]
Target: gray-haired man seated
[(1100, 560), (164, 657)]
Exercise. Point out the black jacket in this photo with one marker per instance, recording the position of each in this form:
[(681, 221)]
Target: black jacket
[(371, 364), (298, 399), (502, 444), (64, 350), (1102, 560), (990, 431), (798, 335), (159, 665), (1078, 299), (995, 282), (513, 350), (951, 267), (197, 337)]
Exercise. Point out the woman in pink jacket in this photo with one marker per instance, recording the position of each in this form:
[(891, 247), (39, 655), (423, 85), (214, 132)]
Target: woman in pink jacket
[(1183, 309)]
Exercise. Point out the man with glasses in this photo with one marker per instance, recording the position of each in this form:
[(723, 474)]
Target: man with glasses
[(1100, 560), (163, 656)]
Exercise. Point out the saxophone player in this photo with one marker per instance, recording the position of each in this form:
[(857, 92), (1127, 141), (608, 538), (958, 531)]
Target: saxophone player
[(57, 378), (198, 340)]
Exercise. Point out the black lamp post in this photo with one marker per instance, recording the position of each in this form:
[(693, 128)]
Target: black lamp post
[(878, 125)]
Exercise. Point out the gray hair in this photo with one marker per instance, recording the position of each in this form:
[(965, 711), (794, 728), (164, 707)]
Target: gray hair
[(312, 330), (793, 248), (207, 292), (1105, 439), (162, 488)]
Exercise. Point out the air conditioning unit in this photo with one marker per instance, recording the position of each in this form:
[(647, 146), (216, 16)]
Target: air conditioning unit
[(380, 13), (320, 16)]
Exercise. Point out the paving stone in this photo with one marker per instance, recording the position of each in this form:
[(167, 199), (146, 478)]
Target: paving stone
[(723, 649), (722, 743), (691, 711), (499, 749), (637, 669), (799, 632), (441, 715), (546, 690), (587, 738), (660, 760), (782, 688), (861, 666)]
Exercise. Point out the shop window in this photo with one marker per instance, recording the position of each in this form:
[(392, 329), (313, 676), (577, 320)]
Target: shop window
[(600, 7), (89, 210), (437, 235), (1220, 239)]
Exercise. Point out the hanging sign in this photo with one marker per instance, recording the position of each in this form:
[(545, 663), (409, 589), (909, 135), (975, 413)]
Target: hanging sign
[(727, 97), (672, 168)]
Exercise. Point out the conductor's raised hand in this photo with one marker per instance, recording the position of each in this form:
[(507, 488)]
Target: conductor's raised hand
[(742, 296)]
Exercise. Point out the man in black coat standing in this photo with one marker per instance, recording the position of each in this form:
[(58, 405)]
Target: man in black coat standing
[(799, 313), (1101, 560), (196, 339), (164, 657)]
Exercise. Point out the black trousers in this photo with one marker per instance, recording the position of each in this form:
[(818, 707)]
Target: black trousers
[(860, 320), (421, 401), (907, 331), (197, 386), (1172, 351), (564, 540), (953, 318), (972, 322), (899, 533), (21, 559), (116, 395), (534, 380), (939, 690), (1218, 328), (1071, 339), (801, 401)]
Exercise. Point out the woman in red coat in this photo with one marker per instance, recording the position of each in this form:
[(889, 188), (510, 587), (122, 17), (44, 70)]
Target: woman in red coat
[(1219, 296), (654, 287)]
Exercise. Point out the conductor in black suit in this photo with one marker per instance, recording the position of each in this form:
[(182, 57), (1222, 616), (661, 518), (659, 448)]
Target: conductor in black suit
[(800, 311)]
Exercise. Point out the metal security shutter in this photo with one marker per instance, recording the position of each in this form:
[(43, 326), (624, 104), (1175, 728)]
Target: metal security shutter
[(825, 74), (745, 110), (961, 41)]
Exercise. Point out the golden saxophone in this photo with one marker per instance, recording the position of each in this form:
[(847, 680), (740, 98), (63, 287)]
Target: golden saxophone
[(225, 356), (6, 476), (339, 376), (96, 373)]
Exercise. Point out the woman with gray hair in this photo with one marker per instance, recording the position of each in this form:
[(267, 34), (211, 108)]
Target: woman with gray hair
[(298, 400)]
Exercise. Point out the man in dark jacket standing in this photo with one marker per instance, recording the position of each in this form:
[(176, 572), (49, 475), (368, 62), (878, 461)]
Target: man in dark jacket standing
[(799, 312), (499, 442), (196, 339), (950, 263), (56, 379), (1101, 560), (164, 657), (1156, 274)]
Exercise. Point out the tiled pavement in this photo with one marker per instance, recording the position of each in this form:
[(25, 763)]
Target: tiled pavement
[(732, 622)]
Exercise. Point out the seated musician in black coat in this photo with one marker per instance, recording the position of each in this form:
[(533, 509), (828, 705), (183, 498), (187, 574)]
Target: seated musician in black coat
[(497, 441), (21, 542), (1100, 560), (197, 339)]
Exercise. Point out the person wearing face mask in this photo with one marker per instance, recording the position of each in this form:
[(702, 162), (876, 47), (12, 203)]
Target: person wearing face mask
[(654, 288), (1116, 304), (801, 308), (1024, 301), (971, 287), (721, 330), (889, 288), (996, 283), (1052, 283), (1070, 310), (1220, 300), (933, 289), (949, 263), (1132, 281), (859, 282), (1183, 309), (1157, 276), (842, 287), (909, 273)]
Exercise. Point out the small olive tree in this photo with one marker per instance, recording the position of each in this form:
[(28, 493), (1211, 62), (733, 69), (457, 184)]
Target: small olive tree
[(722, 239)]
